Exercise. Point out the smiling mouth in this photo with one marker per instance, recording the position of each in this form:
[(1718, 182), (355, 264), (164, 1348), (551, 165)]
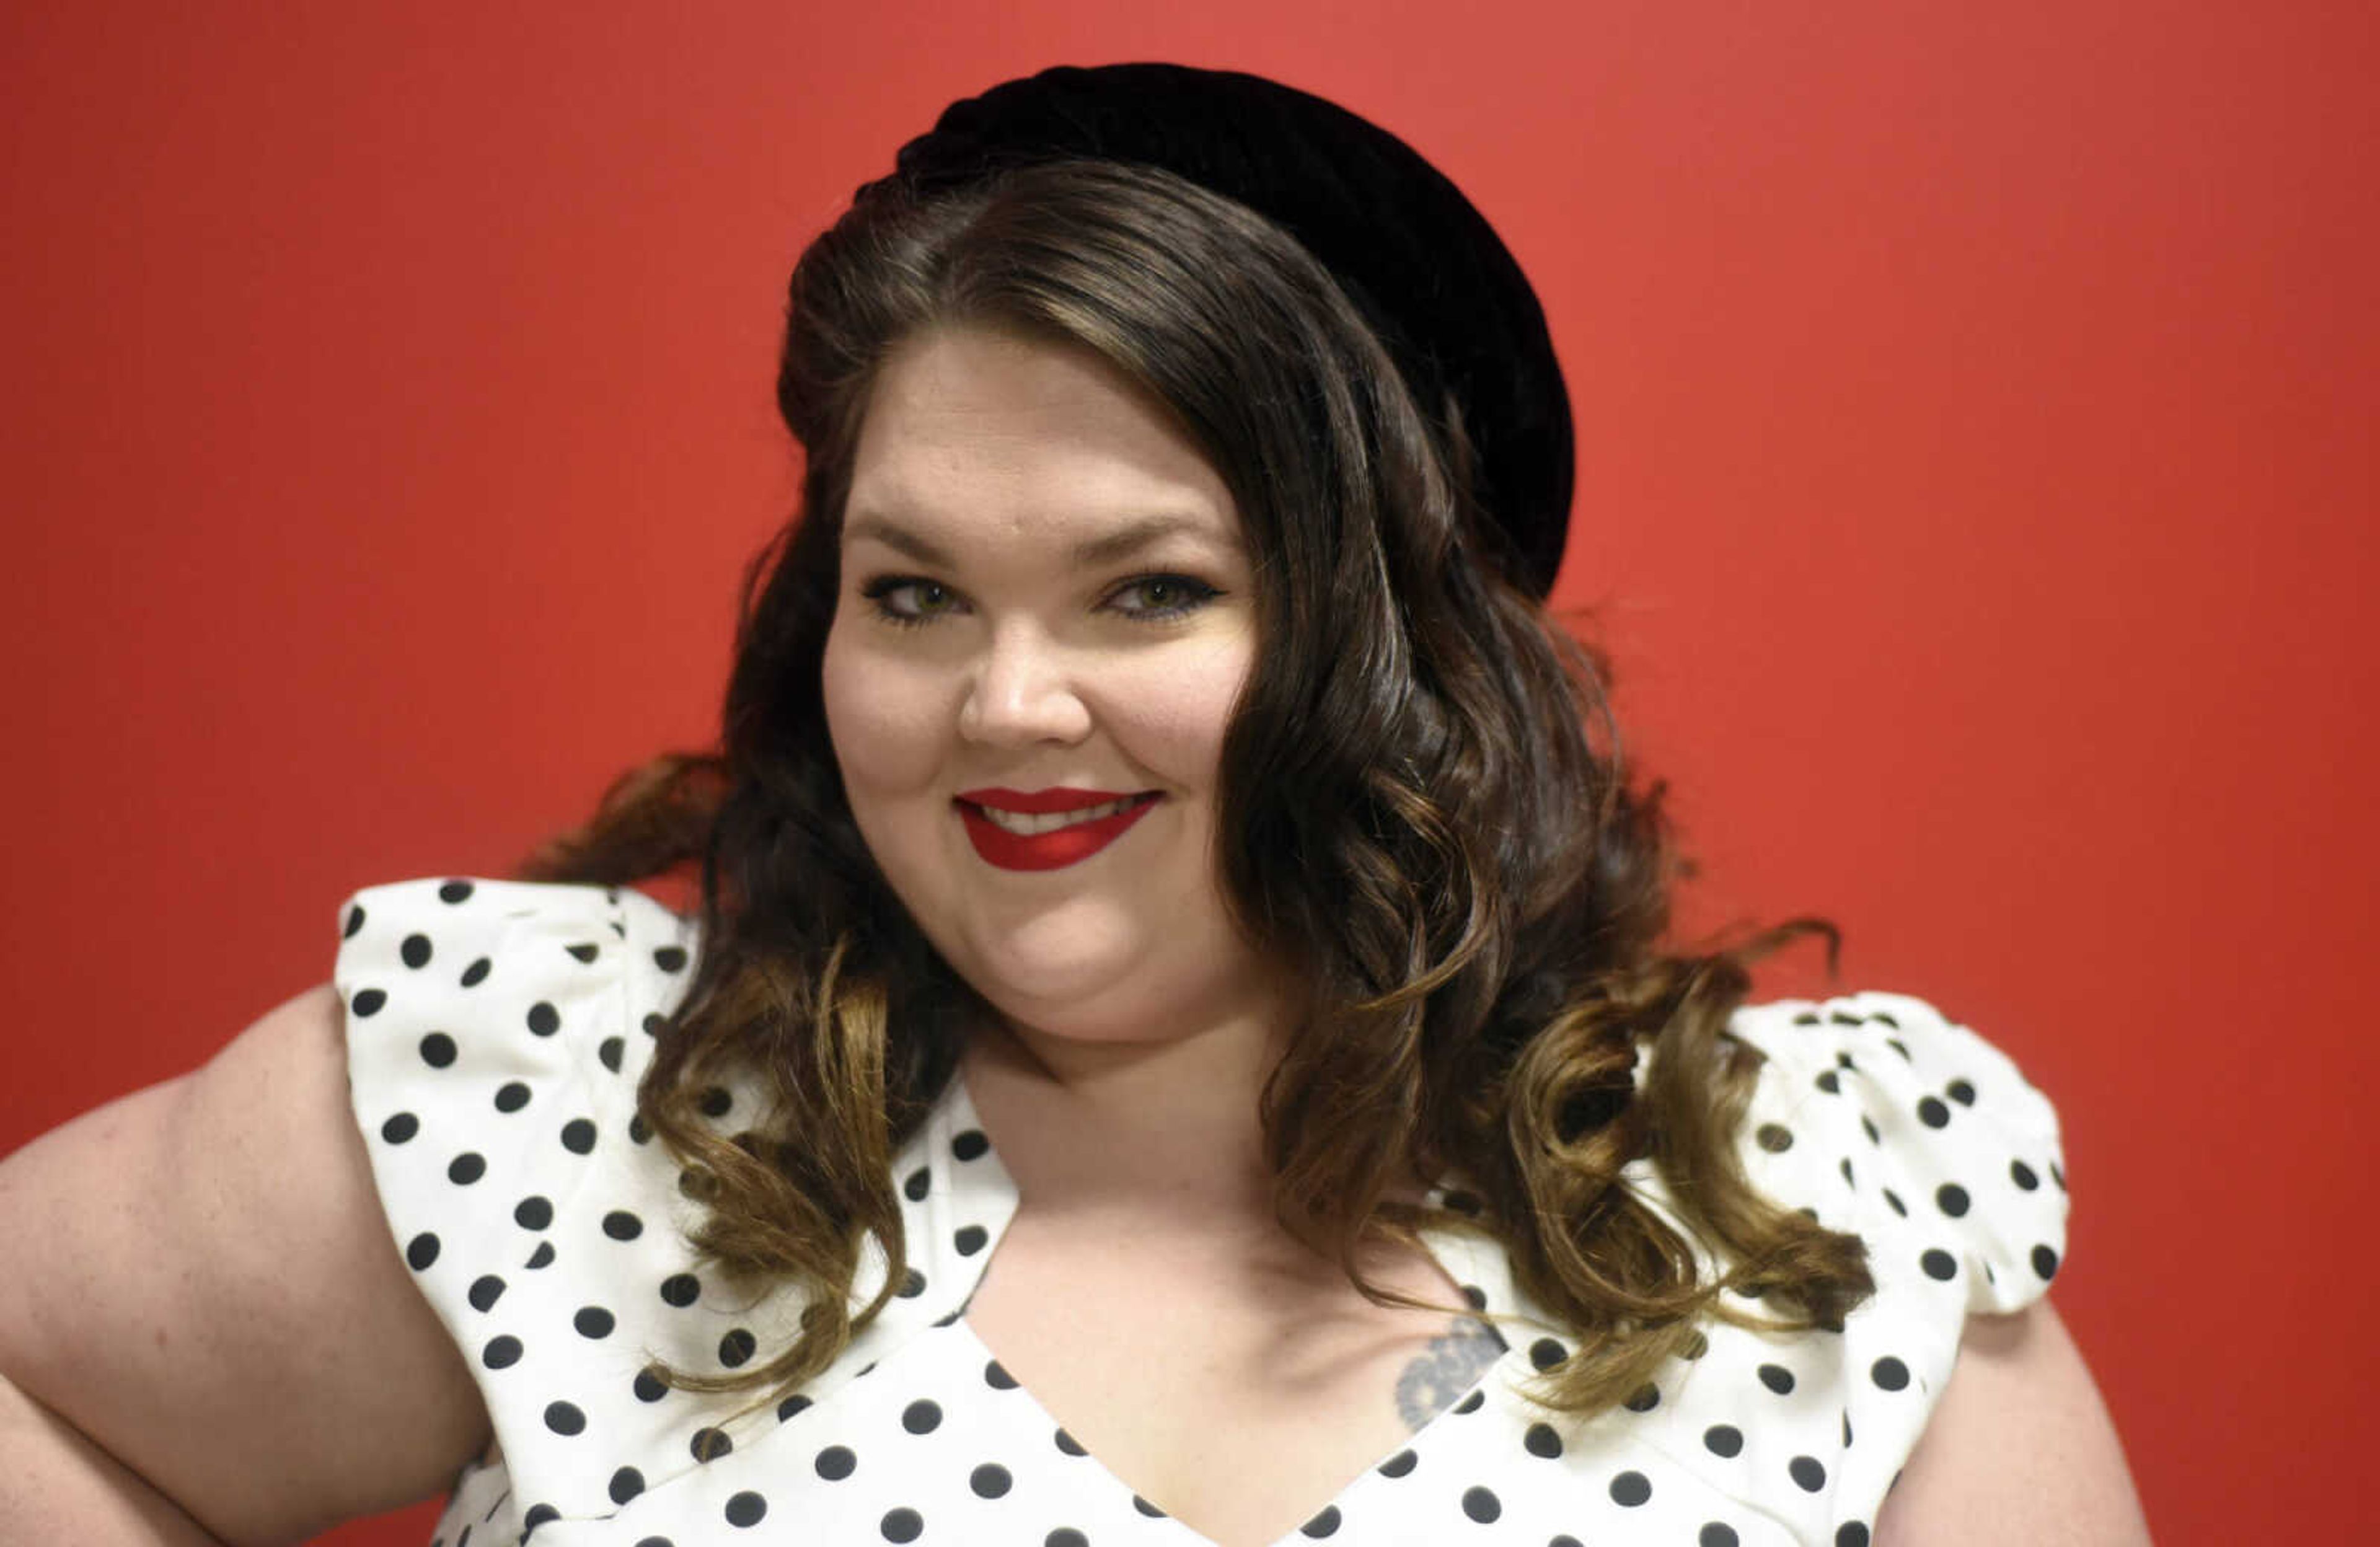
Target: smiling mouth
[(1026, 826)]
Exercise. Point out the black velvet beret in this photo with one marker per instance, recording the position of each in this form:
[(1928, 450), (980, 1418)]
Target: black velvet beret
[(1423, 265)]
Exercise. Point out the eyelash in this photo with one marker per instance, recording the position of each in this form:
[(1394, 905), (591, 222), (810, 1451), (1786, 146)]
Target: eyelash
[(1200, 594)]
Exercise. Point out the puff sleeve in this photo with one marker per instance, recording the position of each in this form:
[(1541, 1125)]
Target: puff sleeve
[(495, 1034)]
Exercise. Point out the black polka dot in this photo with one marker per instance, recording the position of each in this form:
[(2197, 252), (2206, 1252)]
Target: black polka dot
[(1545, 1353), (578, 1135), (1068, 1444), (2022, 1174), (1469, 1403), (1844, 1165), (1961, 1091), (501, 1353), (1775, 1137), (1475, 1296), (540, 1514), (563, 1418), (454, 891), (794, 1403), (626, 1484), (1867, 1126), (1147, 1508), (1647, 1397), (476, 974), (485, 1291), (997, 1377), (680, 1290), (1808, 1475), (970, 1145), (669, 958), (718, 1101), (415, 952), (915, 1184), (1888, 1373), (466, 1168), (400, 1127), (541, 1257), (640, 1131), (1938, 1264), (969, 1240), (1850, 1533), (1322, 1524), (989, 1481), (355, 922), (1398, 1464), (654, 1022), (1631, 1489), (1541, 1440), (544, 1020), (1933, 1114), (2057, 1175), (921, 1417), (901, 1524), (1846, 1431), (1777, 1378), (511, 1096), (609, 1051), (746, 1509), (1893, 1201), (420, 1252), (649, 1387), (366, 1003), (1952, 1198), (1716, 1535), (835, 1463), (1724, 1441), (1830, 1083), (1481, 1504), (913, 1283), (737, 1347), (709, 1443), (533, 1212), (642, 1541), (438, 1049), (592, 1321), (2045, 1263), (1065, 1536), (584, 953), (621, 1225)]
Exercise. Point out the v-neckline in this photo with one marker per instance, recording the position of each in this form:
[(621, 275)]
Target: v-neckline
[(985, 1192)]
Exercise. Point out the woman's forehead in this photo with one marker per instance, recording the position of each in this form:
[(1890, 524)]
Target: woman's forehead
[(977, 435)]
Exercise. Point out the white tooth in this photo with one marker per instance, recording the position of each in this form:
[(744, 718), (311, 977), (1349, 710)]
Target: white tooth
[(1050, 822)]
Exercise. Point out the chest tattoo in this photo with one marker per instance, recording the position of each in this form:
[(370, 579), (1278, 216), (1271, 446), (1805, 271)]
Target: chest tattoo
[(1445, 1369)]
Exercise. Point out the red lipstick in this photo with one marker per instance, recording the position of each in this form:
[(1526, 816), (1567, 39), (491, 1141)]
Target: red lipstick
[(1051, 850)]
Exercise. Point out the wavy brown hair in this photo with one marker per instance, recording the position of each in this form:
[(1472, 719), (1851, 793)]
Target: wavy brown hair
[(1428, 814)]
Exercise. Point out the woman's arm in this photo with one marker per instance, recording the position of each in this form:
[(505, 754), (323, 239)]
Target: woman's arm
[(2020, 1450), (205, 1328)]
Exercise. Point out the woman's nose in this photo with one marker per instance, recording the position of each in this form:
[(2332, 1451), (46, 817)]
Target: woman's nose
[(1022, 692)]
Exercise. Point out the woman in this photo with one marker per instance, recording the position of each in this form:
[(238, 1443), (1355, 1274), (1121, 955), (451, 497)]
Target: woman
[(1175, 1046)]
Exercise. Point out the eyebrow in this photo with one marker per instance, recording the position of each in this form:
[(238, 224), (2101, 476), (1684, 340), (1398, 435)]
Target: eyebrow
[(1126, 540)]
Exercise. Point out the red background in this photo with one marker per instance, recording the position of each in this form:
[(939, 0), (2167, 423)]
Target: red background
[(1974, 485)]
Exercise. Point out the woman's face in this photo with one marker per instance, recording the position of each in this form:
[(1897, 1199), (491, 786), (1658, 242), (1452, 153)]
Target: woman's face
[(1046, 602)]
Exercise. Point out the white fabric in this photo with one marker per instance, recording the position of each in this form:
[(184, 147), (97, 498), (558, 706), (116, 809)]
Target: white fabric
[(467, 998)]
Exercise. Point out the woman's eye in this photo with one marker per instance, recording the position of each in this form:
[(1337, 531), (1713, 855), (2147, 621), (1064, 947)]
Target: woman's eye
[(926, 600), (1165, 596)]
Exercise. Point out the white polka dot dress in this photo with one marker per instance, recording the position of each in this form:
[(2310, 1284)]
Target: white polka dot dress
[(495, 1034)]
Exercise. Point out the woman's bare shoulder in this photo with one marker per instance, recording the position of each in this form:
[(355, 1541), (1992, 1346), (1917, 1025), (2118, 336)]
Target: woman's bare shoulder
[(2019, 1448), (206, 1287)]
